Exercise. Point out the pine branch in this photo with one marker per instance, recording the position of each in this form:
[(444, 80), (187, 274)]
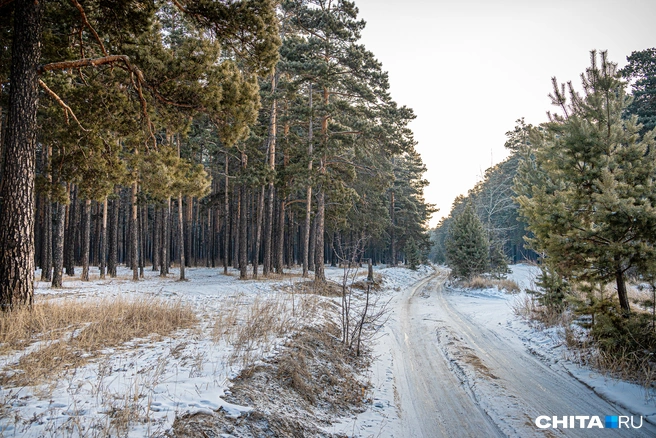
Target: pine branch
[(94, 62), (83, 15), (67, 109)]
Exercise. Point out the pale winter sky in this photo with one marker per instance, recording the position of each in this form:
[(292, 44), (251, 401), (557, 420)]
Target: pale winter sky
[(470, 68)]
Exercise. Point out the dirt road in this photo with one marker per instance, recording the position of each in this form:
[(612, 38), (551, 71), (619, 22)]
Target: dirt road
[(457, 375)]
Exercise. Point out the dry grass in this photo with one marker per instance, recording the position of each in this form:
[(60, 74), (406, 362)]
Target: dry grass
[(509, 286), (251, 327), (324, 289), (65, 334), (314, 380)]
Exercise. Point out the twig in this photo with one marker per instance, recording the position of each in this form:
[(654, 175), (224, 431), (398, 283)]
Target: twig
[(87, 24), (67, 109)]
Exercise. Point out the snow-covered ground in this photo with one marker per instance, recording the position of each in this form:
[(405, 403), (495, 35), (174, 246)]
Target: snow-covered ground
[(158, 379), (507, 385), (190, 372), (549, 344)]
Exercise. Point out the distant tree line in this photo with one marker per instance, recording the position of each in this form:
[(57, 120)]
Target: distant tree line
[(495, 209), (252, 134)]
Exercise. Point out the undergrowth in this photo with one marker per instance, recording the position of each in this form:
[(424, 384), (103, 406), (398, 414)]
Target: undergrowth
[(596, 331)]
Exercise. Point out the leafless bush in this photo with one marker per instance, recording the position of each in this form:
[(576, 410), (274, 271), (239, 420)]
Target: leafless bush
[(361, 317)]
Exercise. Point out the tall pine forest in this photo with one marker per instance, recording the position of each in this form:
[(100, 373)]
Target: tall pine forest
[(252, 134)]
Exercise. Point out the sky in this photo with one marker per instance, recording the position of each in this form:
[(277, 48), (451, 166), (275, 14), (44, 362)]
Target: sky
[(469, 69)]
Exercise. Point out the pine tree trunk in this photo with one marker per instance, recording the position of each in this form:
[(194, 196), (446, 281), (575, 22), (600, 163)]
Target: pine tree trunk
[(268, 233), (290, 238), (216, 247), (392, 232), (188, 229), (243, 223), (181, 239), (103, 241), (142, 240), (243, 243), (70, 235), (112, 260), (134, 237), (208, 238), (157, 237), (319, 274), (86, 240), (58, 246), (308, 198), (46, 244), (166, 220), (234, 227), (621, 290), (313, 244), (17, 186), (280, 242), (226, 218), (258, 232)]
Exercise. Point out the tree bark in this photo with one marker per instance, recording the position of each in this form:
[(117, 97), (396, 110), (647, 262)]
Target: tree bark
[(70, 235), (280, 242), (112, 260), (157, 237), (308, 198), (134, 238), (313, 244), (86, 240), (243, 223), (142, 240), (226, 218), (258, 231), (319, 274), (181, 239), (243, 234), (19, 167), (46, 243), (392, 232), (103, 240), (235, 228), (188, 230), (166, 221), (58, 246), (621, 290)]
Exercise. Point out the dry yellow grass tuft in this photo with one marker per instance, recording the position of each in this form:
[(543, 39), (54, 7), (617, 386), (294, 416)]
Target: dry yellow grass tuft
[(509, 286), (70, 332)]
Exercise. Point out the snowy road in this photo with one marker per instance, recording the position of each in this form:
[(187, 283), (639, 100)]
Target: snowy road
[(459, 371)]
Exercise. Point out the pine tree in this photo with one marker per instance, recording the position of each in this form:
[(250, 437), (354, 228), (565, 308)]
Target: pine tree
[(641, 69), (467, 248), (412, 254), (586, 184)]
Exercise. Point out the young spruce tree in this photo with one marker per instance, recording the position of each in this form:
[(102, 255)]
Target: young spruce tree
[(467, 248)]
